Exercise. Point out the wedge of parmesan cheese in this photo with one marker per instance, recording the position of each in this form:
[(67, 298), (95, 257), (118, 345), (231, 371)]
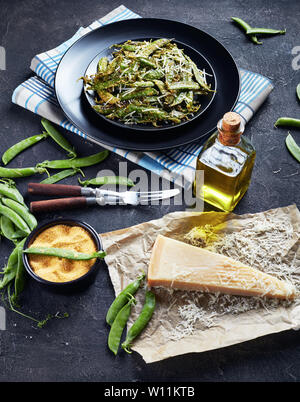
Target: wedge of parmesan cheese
[(178, 265)]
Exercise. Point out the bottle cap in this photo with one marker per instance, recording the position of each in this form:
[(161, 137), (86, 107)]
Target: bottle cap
[(231, 122), (230, 129)]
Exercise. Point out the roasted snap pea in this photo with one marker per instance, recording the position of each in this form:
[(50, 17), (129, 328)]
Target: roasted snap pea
[(21, 210), (122, 299), (102, 65), (15, 218), (58, 138), (21, 146), (117, 328), (298, 91), (107, 180), (9, 190), (141, 322), (287, 122), (64, 253), (61, 175), (293, 147), (155, 73), (20, 172), (74, 163)]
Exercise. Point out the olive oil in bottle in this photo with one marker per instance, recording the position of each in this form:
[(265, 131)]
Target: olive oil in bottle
[(227, 159)]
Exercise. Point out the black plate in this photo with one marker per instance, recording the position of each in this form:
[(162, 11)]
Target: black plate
[(204, 100), (70, 94)]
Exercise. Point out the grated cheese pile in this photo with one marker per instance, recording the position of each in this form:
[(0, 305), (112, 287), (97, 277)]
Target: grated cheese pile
[(263, 244)]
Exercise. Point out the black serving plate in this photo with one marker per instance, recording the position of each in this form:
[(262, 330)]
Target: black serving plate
[(71, 97), (204, 100)]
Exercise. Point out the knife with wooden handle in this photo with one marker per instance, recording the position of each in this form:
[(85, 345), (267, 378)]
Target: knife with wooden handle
[(60, 190)]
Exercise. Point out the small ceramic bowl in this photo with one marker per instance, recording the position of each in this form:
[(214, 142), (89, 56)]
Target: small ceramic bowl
[(76, 284)]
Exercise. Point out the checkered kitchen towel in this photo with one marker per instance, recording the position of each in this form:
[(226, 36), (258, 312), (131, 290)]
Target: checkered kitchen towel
[(37, 95)]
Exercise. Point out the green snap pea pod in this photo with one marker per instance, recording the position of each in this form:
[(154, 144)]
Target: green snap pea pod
[(298, 91), (20, 277), (102, 64), (293, 147), (11, 191), (9, 230), (146, 51), (7, 227), (21, 146), (140, 93), (15, 218), (117, 328), (179, 98), (141, 322), (10, 270), (146, 62), (107, 97), (20, 172), (287, 121), (75, 163), (161, 86), (64, 253), (183, 86), (99, 86), (153, 75), (60, 176), (122, 299), (107, 180), (104, 109), (144, 84), (21, 210), (129, 48), (242, 24), (265, 31), (58, 138)]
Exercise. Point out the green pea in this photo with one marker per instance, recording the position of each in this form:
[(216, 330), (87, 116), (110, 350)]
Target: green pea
[(21, 146), (107, 180), (74, 163), (10, 191), (293, 147), (60, 176), (116, 330), (15, 218), (122, 299), (58, 138), (20, 172), (10, 271), (141, 322), (64, 253), (22, 210)]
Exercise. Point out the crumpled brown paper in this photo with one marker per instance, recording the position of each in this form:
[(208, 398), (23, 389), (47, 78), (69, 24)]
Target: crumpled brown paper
[(218, 325)]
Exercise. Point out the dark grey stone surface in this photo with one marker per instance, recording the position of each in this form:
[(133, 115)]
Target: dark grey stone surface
[(75, 349)]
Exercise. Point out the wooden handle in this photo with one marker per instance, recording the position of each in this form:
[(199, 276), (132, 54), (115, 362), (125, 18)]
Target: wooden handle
[(54, 189), (57, 204)]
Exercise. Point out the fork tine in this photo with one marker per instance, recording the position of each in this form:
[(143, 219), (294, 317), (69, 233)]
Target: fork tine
[(145, 193)]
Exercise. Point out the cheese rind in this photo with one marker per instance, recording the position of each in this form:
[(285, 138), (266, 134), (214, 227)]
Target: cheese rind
[(178, 265)]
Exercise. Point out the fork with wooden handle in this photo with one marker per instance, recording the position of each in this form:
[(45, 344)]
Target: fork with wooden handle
[(85, 196)]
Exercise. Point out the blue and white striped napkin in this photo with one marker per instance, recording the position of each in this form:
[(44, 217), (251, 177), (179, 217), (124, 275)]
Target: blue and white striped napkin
[(178, 165)]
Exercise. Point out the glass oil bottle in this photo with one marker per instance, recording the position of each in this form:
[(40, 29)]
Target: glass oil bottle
[(227, 159)]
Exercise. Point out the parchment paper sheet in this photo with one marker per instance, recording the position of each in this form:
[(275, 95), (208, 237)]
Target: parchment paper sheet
[(128, 251)]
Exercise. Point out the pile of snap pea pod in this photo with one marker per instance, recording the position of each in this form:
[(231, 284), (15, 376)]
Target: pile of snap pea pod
[(16, 223), (119, 313), (148, 82)]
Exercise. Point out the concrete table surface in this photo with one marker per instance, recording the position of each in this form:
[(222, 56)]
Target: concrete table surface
[(75, 349)]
